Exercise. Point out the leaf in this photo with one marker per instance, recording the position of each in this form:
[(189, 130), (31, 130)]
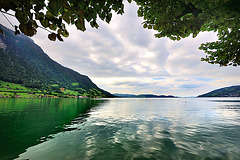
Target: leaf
[(194, 35), (80, 24), (149, 26), (59, 22), (38, 7), (65, 33), (59, 37), (52, 36), (80, 12), (59, 31), (96, 26), (27, 29), (39, 16), (109, 17), (6, 5), (53, 27), (66, 5), (21, 16), (17, 32), (45, 23), (49, 16), (34, 24), (156, 26), (66, 16), (54, 6)]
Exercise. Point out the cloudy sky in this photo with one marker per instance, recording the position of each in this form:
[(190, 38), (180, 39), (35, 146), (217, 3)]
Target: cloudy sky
[(122, 57)]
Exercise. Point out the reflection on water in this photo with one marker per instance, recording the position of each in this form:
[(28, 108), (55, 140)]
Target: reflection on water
[(27, 122), (225, 100), (184, 129), (230, 107)]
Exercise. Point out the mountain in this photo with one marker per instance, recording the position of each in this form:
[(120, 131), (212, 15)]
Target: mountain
[(154, 96), (143, 96), (24, 62), (233, 91), (125, 95)]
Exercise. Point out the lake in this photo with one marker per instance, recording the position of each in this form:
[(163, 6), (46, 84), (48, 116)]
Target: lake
[(105, 129)]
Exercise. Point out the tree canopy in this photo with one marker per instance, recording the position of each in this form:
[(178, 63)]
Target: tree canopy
[(175, 19)]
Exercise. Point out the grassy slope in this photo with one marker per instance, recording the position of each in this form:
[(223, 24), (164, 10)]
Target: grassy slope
[(9, 90)]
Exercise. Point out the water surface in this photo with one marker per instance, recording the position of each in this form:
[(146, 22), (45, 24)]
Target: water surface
[(178, 128)]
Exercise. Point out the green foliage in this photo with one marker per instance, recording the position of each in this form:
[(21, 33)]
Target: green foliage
[(55, 14), (182, 18), (75, 84), (225, 51), (70, 92), (55, 85)]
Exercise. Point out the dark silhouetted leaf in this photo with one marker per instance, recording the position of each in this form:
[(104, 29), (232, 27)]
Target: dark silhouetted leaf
[(59, 37), (17, 32), (52, 36), (27, 29)]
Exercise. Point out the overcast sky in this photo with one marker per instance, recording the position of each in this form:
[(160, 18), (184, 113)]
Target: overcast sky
[(122, 57)]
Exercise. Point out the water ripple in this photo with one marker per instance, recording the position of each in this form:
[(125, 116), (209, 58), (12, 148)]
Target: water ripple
[(163, 130)]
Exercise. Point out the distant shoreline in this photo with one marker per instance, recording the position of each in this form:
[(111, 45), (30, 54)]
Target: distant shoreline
[(143, 96)]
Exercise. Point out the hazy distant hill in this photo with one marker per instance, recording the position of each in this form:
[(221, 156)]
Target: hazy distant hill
[(143, 96), (233, 91), (24, 62), (125, 95)]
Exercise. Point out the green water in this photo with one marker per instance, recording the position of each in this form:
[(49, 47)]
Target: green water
[(28, 122), (57, 129)]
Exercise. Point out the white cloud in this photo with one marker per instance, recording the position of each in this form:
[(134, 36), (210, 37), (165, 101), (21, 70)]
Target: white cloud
[(125, 58)]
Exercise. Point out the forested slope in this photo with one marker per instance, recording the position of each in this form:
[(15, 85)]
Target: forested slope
[(24, 62), (233, 91)]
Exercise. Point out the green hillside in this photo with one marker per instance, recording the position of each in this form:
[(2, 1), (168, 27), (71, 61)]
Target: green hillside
[(233, 91), (23, 62), (14, 90)]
